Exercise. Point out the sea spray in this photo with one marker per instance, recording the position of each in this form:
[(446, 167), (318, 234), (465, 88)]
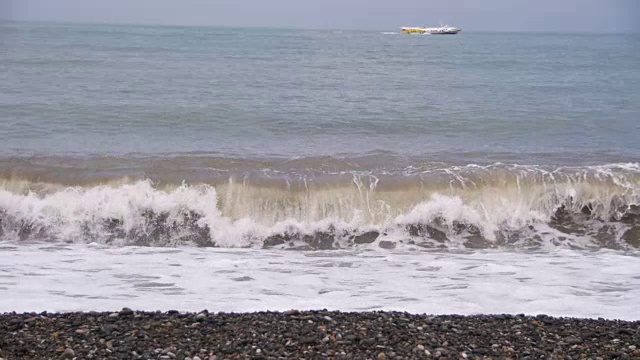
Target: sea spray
[(473, 206)]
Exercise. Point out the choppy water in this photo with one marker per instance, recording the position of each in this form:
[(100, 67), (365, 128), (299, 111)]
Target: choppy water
[(318, 140), (77, 90), (118, 134)]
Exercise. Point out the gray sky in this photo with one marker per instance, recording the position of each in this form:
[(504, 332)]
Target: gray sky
[(479, 15)]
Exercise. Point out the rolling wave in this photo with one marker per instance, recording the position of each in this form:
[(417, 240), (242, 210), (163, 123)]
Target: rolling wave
[(456, 207)]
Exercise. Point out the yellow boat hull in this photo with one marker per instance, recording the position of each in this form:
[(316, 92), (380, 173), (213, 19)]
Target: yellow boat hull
[(413, 30)]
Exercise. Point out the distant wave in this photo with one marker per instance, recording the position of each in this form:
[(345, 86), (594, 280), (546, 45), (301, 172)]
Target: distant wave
[(451, 207)]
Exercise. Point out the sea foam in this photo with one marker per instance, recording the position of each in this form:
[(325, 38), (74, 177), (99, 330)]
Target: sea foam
[(454, 207)]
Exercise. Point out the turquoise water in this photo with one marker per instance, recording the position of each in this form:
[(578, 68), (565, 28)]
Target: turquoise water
[(517, 138)]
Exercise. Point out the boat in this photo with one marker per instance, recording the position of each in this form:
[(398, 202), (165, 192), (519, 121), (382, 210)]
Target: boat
[(439, 30)]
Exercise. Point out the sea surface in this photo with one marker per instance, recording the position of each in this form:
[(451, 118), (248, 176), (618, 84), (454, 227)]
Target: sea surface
[(245, 169)]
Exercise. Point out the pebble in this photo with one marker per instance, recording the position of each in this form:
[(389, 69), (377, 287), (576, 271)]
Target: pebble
[(125, 312), (369, 342), (69, 354), (571, 340), (308, 340), (377, 335)]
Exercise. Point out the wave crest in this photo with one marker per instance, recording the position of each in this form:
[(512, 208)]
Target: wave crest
[(457, 208)]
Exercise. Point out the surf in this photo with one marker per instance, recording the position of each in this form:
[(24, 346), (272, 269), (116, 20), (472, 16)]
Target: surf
[(454, 207)]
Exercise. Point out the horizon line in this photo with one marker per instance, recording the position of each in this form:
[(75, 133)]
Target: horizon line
[(293, 27)]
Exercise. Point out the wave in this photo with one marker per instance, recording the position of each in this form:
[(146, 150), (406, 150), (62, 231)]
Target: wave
[(208, 168), (471, 206)]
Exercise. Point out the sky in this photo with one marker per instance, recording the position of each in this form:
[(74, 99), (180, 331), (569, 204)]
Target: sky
[(477, 15)]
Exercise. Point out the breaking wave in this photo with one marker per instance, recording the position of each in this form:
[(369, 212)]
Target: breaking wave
[(495, 206)]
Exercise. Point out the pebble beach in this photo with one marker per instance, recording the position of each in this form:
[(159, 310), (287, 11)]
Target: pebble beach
[(293, 334)]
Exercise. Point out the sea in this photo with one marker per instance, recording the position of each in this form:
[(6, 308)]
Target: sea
[(247, 169)]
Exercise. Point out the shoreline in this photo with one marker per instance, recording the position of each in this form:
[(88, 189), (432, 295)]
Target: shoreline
[(129, 334)]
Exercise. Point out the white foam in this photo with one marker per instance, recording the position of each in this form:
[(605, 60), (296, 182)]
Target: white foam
[(239, 214), (83, 278)]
